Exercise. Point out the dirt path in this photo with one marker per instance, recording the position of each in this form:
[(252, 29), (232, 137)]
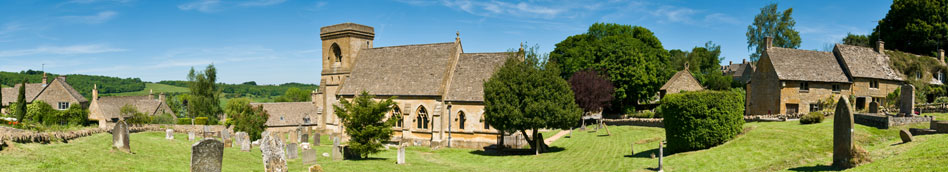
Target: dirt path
[(556, 136)]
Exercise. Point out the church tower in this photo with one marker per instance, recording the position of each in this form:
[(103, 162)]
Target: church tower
[(341, 45)]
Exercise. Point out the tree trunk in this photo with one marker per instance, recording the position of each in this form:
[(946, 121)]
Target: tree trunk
[(502, 140)]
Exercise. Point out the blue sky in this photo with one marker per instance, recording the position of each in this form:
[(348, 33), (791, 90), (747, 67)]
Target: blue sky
[(277, 41)]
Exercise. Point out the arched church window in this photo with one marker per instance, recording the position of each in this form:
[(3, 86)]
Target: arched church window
[(462, 119), (336, 52), (397, 113), (422, 119), (483, 121)]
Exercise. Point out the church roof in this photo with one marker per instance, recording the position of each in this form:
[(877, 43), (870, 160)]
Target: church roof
[(864, 62), (806, 65), (289, 113), (682, 81), (472, 71), (415, 70)]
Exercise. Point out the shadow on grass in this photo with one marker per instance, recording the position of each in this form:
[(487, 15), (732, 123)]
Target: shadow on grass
[(648, 154), (370, 159), (816, 168), (516, 152)]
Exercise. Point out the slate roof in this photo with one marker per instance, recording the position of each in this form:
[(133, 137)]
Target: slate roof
[(111, 107), (737, 70), (292, 113), (681, 81), (806, 65), (33, 90), (472, 71), (865, 62), (417, 70)]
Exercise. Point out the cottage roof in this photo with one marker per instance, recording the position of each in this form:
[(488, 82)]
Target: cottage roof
[(864, 62), (417, 70), (681, 81), (472, 71), (806, 65), (289, 113), (33, 90), (111, 107)]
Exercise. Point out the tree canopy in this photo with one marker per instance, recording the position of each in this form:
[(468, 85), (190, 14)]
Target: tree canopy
[(631, 56), (857, 40), (772, 23), (295, 95), (592, 91), (918, 27), (529, 95), (246, 118), (365, 123), (704, 64), (205, 94)]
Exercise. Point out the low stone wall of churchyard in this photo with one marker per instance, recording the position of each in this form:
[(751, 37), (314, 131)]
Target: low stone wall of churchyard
[(885, 121), (28, 136), (645, 122)]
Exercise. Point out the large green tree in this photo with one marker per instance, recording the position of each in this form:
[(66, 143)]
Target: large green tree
[(857, 40), (631, 56), (772, 23), (365, 123), (246, 118), (919, 27), (704, 64), (528, 96), (20, 106), (205, 94)]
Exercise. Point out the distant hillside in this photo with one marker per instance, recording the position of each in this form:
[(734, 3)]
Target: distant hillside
[(251, 89), (82, 83), (155, 88)]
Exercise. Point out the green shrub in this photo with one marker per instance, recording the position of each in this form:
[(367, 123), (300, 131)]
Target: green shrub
[(200, 121), (644, 114), (700, 120), (184, 121), (164, 118), (76, 115), (812, 118)]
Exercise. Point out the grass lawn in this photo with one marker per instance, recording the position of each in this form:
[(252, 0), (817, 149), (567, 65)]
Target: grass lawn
[(157, 88), (774, 146)]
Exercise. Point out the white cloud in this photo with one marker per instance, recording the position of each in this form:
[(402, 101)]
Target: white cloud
[(674, 14), (261, 3), (101, 17), (201, 5), (61, 50), (498, 8)]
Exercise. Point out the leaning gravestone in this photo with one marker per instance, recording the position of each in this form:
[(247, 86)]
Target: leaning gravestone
[(907, 99), (401, 154), (292, 151), (169, 134), (190, 136), (274, 160), (873, 107), (207, 155), (843, 133), (336, 149), (120, 136), (905, 135), (309, 156)]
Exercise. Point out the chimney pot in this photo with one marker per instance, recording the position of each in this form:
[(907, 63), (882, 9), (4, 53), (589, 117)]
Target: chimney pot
[(730, 62), (745, 61), (770, 43)]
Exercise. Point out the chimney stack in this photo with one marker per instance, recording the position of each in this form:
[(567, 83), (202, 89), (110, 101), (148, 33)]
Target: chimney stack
[(880, 47), (730, 62), (150, 94), (95, 93), (770, 43), (44, 79), (745, 61), (941, 56), (314, 95), (161, 96)]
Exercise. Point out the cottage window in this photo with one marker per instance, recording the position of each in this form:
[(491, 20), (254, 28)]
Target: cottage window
[(815, 107), (397, 113), (63, 105), (793, 108), (306, 120), (422, 118), (874, 84), (804, 86), (461, 120), (836, 88)]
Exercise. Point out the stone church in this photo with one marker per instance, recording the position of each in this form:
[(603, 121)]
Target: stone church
[(438, 88)]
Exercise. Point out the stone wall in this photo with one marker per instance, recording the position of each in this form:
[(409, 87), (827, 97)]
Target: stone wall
[(885, 121), (645, 122), (28, 136)]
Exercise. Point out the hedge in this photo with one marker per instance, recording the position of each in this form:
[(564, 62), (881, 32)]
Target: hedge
[(700, 120), (200, 121), (812, 118), (184, 121)]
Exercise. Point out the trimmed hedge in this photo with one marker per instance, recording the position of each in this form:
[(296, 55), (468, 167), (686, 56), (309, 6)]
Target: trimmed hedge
[(200, 121), (184, 121), (812, 118), (700, 120)]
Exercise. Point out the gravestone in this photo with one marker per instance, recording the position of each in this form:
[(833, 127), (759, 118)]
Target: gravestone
[(274, 160), (336, 149), (120, 136), (238, 138), (292, 151), (190, 136), (169, 134), (661, 154), (309, 156), (905, 135), (244, 141), (873, 107), (304, 138), (907, 99), (205, 132), (225, 134), (316, 138), (401, 154), (843, 133), (207, 155), (294, 137)]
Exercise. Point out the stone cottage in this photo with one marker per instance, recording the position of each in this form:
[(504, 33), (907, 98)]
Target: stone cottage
[(108, 110), (58, 94), (681, 81), (288, 116), (740, 72), (792, 81), (438, 88)]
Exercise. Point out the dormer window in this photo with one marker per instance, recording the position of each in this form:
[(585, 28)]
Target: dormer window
[(804, 87)]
